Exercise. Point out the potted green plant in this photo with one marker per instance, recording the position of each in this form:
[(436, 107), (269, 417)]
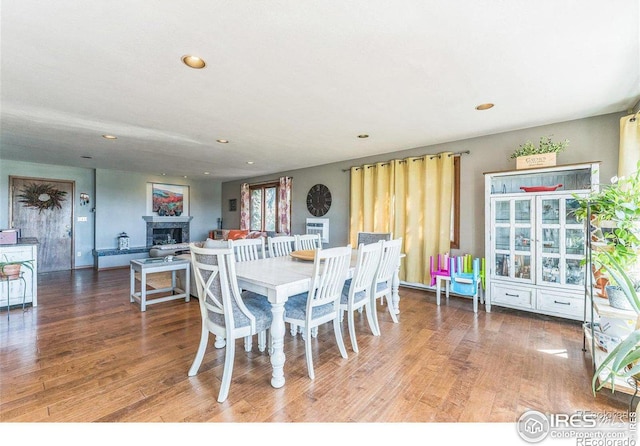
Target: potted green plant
[(11, 268), (529, 155), (615, 217)]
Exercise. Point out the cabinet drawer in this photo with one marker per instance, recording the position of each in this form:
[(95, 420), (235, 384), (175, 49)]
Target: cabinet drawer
[(13, 254), (562, 304), (518, 297)]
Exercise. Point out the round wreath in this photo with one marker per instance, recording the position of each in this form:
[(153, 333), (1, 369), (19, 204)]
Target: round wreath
[(42, 196)]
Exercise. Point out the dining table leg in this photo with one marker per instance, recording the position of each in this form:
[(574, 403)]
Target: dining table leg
[(277, 344)]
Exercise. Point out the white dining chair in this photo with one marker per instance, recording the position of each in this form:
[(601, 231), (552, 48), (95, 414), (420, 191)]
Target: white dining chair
[(308, 242), (248, 249), (357, 291), (281, 246), (383, 288), (322, 303), (305, 242), (225, 312), (244, 250)]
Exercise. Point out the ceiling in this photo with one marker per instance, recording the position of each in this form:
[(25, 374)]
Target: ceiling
[(291, 84)]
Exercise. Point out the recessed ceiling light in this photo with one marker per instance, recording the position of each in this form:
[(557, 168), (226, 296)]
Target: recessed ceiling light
[(486, 106), (249, 162), (163, 174), (363, 136), (222, 141), (86, 157), (185, 176), (109, 137), (207, 173), (193, 61)]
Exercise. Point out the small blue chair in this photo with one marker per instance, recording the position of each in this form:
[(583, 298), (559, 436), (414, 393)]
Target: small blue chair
[(465, 283)]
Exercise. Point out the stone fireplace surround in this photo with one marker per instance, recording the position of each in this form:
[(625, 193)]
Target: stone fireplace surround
[(154, 222)]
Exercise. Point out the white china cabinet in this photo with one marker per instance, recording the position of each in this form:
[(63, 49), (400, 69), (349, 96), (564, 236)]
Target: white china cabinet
[(534, 245)]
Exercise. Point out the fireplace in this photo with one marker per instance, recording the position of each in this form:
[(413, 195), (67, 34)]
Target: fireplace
[(164, 236), (167, 230)]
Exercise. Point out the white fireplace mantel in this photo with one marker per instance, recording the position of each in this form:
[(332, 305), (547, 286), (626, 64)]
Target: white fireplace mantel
[(156, 219)]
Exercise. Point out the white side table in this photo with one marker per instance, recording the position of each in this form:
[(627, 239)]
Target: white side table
[(158, 265), (446, 280)]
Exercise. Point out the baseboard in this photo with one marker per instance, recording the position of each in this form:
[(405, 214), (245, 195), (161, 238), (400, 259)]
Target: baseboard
[(106, 268)]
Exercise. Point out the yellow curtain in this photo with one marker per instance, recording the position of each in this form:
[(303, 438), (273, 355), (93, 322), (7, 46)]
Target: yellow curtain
[(413, 209), (398, 201), (410, 198), (371, 194), (355, 205), (629, 152), (444, 178)]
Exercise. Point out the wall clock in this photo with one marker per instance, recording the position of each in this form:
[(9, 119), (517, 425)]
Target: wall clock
[(319, 200)]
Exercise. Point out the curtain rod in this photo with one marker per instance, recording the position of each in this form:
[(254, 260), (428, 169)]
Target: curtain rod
[(437, 155), (262, 183)]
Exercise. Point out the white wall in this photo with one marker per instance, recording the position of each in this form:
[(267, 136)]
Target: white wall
[(591, 139), (122, 199)]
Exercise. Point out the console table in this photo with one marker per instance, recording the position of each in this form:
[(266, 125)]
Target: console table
[(158, 265)]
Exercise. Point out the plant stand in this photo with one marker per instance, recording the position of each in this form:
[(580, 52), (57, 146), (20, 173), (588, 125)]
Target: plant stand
[(8, 280)]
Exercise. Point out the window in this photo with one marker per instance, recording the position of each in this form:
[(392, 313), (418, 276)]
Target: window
[(264, 207)]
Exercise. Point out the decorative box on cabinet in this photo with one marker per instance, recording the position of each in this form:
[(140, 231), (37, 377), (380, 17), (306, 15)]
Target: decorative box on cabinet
[(534, 245)]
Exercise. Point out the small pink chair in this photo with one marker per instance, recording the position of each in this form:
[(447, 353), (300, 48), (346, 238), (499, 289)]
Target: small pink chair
[(441, 272)]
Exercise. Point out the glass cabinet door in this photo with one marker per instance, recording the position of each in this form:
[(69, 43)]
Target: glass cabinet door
[(512, 247), (561, 242)]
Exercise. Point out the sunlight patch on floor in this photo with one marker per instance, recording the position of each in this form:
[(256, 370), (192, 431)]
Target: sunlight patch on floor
[(562, 353)]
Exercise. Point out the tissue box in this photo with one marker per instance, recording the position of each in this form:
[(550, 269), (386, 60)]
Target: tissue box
[(8, 236)]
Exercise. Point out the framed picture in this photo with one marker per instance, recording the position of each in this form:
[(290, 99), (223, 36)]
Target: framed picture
[(233, 205), (169, 200)]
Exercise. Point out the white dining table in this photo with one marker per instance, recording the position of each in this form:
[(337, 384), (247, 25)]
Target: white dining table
[(280, 278)]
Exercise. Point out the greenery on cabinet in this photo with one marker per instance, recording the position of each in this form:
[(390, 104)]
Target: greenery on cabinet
[(546, 145)]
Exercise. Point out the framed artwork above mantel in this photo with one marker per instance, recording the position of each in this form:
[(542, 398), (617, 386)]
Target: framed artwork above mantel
[(167, 200)]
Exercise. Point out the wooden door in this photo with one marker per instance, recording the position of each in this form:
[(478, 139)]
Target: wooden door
[(43, 209)]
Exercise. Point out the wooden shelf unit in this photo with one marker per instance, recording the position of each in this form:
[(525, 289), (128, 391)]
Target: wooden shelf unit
[(602, 309)]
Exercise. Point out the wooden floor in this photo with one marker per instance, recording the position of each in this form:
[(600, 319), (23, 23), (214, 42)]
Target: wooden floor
[(86, 354)]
